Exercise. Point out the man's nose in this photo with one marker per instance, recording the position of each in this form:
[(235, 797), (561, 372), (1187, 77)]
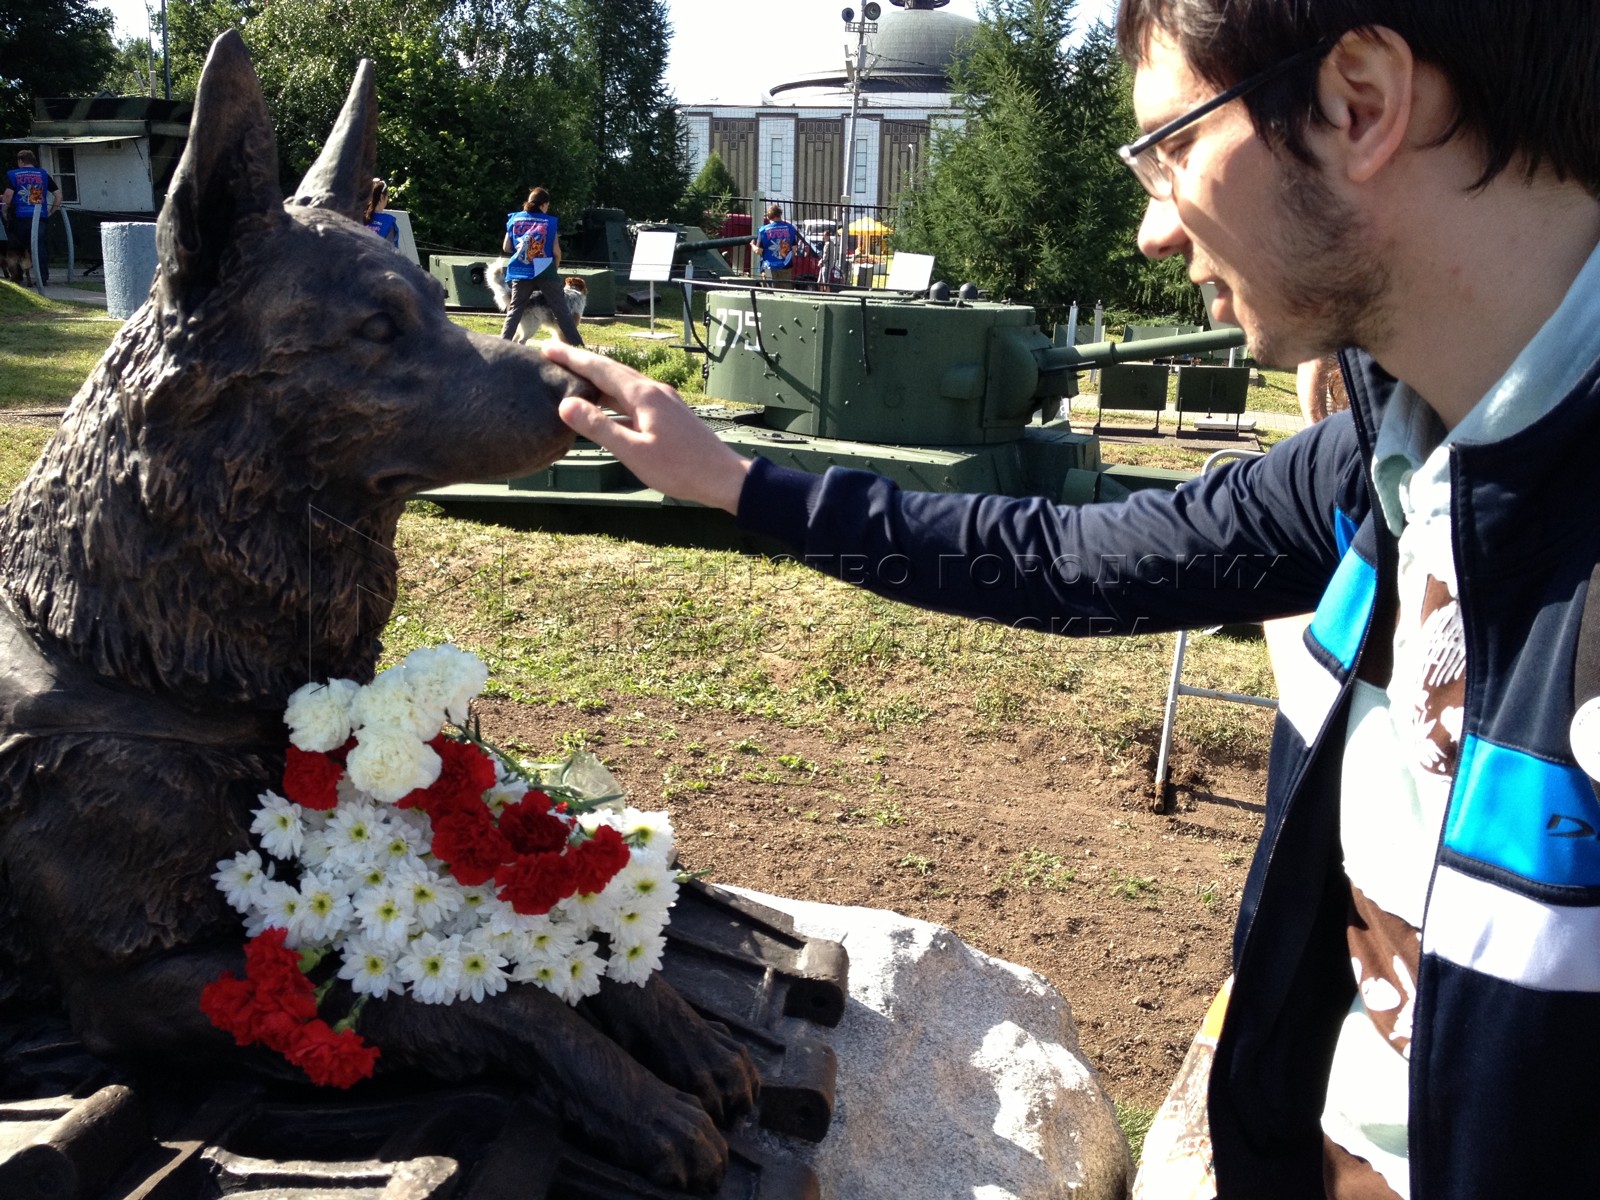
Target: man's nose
[(1161, 234)]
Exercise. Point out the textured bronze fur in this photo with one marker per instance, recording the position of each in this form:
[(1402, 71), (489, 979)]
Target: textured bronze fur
[(212, 526)]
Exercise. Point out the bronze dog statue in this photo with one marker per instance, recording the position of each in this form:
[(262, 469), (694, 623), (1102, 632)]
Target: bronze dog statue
[(211, 527)]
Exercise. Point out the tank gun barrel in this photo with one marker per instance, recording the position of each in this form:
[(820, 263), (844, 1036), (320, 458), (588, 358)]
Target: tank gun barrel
[(1057, 359), (687, 247)]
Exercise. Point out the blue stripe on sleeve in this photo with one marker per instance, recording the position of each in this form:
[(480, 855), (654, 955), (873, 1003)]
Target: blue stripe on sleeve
[(1346, 607)]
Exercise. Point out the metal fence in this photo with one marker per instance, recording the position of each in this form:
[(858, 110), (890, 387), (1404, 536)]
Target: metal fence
[(846, 245)]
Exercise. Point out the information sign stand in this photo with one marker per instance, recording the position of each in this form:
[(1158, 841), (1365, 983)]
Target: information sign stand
[(652, 261)]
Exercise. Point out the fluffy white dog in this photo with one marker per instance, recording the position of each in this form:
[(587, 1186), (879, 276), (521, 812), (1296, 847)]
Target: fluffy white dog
[(537, 315)]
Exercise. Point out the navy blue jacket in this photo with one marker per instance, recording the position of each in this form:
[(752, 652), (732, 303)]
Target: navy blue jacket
[(1505, 1057)]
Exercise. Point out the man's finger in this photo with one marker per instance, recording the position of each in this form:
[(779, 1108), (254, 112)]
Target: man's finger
[(587, 419)]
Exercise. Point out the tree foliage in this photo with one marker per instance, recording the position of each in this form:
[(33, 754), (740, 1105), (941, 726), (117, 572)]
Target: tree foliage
[(478, 100), (1026, 198), (632, 122), (49, 48)]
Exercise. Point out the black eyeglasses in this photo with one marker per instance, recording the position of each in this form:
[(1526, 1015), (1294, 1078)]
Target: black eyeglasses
[(1153, 172)]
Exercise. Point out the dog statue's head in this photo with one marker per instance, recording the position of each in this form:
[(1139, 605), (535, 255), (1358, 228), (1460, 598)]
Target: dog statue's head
[(215, 516)]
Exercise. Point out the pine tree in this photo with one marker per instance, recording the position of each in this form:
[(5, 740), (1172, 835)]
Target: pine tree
[(1026, 197)]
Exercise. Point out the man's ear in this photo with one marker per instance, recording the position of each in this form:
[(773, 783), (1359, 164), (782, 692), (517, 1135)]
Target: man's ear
[(1365, 88), (226, 180), (341, 178)]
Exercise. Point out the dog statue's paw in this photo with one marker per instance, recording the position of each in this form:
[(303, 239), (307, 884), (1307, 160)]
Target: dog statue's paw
[(674, 1143), (701, 1057)]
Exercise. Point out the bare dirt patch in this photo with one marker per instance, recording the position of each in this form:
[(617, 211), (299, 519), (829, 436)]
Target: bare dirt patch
[(1027, 843)]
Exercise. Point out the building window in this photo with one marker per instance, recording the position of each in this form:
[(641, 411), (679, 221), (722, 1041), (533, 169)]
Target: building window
[(775, 166), (858, 186), (65, 174)]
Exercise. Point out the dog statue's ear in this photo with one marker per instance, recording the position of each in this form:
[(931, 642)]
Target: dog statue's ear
[(228, 175), (341, 178)]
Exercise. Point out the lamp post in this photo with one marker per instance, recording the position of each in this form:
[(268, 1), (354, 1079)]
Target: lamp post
[(853, 71)]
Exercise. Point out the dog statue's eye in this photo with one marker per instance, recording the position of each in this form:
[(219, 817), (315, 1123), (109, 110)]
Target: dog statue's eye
[(380, 328)]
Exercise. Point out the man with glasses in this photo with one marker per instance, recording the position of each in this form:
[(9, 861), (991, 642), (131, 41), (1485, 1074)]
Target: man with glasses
[(1416, 993)]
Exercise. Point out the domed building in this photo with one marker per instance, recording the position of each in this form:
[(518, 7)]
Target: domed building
[(790, 148)]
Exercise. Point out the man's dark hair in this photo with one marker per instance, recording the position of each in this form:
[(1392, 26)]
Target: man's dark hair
[(1523, 72), (25, 158)]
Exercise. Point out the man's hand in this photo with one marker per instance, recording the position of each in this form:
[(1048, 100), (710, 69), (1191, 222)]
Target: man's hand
[(658, 438)]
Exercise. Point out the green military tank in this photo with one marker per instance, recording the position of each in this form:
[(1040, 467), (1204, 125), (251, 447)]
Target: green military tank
[(938, 393)]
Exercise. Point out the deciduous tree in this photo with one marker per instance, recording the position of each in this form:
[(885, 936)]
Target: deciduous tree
[(49, 48)]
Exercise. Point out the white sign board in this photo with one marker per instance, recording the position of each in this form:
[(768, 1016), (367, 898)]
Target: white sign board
[(652, 255), (910, 272)]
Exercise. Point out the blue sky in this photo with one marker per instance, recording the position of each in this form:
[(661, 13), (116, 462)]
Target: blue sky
[(727, 52)]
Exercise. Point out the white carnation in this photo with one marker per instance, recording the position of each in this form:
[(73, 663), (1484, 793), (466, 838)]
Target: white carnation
[(318, 715), (444, 679), (388, 768), (387, 707)]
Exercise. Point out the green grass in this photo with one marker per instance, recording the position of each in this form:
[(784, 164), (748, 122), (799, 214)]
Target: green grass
[(47, 347), (1135, 1121)]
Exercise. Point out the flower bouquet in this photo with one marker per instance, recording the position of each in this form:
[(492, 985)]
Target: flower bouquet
[(425, 862)]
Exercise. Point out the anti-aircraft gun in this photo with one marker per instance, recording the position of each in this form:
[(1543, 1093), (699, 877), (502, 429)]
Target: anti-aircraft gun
[(938, 394)]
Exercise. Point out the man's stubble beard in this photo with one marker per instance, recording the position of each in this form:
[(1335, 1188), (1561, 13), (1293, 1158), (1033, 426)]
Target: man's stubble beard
[(1334, 280)]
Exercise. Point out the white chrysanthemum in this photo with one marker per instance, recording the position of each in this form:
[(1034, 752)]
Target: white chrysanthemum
[(482, 968), (385, 912), (388, 767), (648, 834), (444, 679), (644, 883), (387, 708), (318, 715), (635, 919), (590, 910), (361, 876), (584, 970), (551, 976), (432, 898), (371, 967), (279, 825), (357, 833), (500, 917), (277, 908), (633, 960), (550, 945), (431, 967), (315, 848), (507, 789), (242, 879), (325, 909)]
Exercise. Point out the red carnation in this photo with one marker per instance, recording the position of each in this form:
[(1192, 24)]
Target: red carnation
[(466, 840), (229, 1004), (597, 860), (536, 883), (530, 828), (311, 780), (332, 1059), (465, 773)]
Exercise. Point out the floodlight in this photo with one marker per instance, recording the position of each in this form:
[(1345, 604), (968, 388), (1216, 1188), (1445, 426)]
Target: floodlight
[(870, 10), (849, 15)]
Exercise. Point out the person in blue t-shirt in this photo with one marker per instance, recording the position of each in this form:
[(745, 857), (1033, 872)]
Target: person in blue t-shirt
[(29, 188), (380, 222), (536, 266), (776, 242)]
